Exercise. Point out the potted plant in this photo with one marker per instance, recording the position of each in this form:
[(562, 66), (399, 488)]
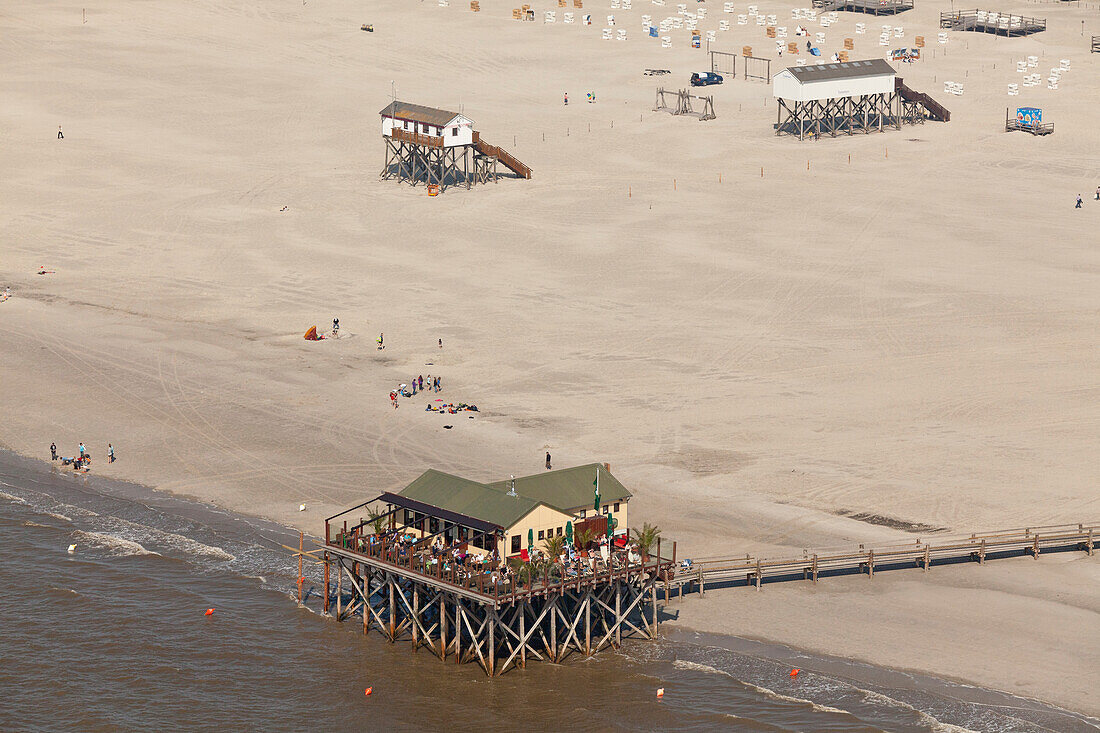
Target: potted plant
[(646, 537)]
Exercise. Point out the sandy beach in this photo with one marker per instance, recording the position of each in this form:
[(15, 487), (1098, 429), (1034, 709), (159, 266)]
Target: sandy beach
[(761, 336)]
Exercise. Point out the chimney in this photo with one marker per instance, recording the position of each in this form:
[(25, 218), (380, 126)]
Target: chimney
[(607, 467)]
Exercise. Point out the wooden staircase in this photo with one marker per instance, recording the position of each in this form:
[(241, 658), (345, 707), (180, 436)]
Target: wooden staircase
[(935, 110), (509, 161)]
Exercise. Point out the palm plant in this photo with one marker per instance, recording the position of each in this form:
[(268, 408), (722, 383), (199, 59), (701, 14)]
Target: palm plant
[(555, 546), (584, 537), (377, 520), (646, 537)]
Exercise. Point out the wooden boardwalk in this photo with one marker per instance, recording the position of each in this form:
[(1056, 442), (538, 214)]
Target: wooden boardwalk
[(871, 7), (984, 21), (753, 571)]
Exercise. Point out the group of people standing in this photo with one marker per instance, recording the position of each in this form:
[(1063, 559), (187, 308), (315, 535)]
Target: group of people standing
[(83, 460)]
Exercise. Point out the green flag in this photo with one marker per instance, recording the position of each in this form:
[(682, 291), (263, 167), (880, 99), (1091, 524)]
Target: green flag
[(596, 483), (530, 540), (611, 524), (569, 533)]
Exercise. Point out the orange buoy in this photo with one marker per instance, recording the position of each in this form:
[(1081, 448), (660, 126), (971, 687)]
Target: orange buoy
[(794, 672), (209, 612), (660, 692), (368, 691)]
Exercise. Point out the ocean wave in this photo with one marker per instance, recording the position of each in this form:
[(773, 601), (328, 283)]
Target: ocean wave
[(12, 497), (145, 533), (925, 719), (62, 517), (117, 546), (29, 523), (772, 694)]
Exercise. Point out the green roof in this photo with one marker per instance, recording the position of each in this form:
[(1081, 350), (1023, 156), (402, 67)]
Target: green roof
[(568, 488), (469, 497), (565, 489)]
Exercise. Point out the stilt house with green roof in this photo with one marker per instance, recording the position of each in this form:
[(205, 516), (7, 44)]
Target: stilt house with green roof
[(511, 515)]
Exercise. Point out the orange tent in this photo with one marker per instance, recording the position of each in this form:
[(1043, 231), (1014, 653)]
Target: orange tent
[(311, 334)]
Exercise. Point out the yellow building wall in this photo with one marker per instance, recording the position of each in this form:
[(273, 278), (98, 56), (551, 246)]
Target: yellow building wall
[(540, 518)]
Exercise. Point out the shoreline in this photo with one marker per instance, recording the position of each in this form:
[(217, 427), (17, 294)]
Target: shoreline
[(858, 671), (765, 339)]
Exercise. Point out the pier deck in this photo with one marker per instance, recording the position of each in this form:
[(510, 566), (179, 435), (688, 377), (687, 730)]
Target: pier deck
[(988, 21), (753, 571)]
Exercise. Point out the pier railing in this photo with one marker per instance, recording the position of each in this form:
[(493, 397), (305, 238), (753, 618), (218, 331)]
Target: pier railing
[(919, 553), (474, 578)]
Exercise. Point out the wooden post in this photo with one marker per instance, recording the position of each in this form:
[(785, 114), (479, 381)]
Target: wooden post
[(758, 574), (702, 584), (871, 564), (393, 624), (492, 641), (653, 590), (366, 598), (1088, 544), (458, 630), (981, 553), (301, 550), (814, 568), (416, 615), (927, 557), (442, 628), (1035, 550), (588, 625), (326, 584), (618, 615), (340, 590), (523, 635), (553, 628)]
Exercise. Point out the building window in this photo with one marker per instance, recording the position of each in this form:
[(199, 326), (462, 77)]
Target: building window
[(559, 531), (515, 544), (408, 517), (584, 513), (454, 132), (541, 535), (405, 124), (616, 506)]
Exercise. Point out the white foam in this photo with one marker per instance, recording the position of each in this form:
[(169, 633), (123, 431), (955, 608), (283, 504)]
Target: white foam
[(925, 718), (684, 664), (10, 497), (117, 546), (171, 539), (62, 517)]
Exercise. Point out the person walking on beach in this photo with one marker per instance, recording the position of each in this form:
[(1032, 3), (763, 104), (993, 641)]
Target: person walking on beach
[(1078, 206), (60, 135), (437, 381), (82, 450), (441, 340), (420, 381), (53, 451), (414, 385), (381, 341), (335, 327), (567, 99), (110, 453), (1098, 193), (547, 460)]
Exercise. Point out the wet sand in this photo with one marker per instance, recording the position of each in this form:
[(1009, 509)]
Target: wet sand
[(910, 335)]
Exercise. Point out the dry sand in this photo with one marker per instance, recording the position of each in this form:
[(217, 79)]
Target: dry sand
[(911, 334)]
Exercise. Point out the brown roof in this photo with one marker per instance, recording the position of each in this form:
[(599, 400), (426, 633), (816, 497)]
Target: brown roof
[(841, 70), (418, 113)]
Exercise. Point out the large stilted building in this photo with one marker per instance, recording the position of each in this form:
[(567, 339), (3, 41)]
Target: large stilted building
[(439, 148)]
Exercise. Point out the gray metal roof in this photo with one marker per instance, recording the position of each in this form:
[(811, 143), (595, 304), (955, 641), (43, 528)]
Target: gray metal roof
[(418, 113), (841, 70)]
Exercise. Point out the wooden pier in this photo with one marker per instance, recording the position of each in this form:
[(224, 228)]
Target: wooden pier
[(474, 613), (753, 571), (871, 7), (988, 21)]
